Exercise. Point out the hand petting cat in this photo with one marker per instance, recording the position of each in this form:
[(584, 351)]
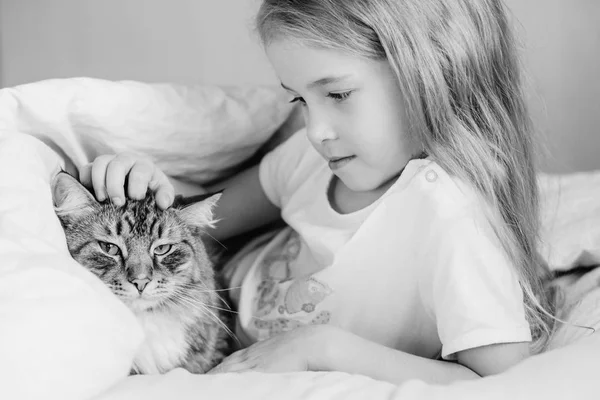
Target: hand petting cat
[(109, 175), (302, 349)]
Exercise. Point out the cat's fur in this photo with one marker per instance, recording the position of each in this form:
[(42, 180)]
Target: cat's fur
[(174, 295)]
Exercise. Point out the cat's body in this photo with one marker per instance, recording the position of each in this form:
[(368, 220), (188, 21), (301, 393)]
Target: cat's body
[(157, 264)]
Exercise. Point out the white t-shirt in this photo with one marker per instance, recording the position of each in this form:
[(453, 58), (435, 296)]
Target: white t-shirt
[(419, 270)]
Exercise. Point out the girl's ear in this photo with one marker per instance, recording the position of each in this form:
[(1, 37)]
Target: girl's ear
[(70, 197), (200, 214)]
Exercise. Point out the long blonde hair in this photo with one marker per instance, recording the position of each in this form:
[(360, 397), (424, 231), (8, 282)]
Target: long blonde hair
[(458, 67)]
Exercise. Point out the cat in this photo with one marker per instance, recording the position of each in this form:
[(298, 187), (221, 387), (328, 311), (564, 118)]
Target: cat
[(156, 262)]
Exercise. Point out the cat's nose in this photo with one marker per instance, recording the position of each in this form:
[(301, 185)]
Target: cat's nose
[(140, 284)]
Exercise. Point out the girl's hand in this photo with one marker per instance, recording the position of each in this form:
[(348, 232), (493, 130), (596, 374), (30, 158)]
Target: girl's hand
[(107, 175), (301, 349)]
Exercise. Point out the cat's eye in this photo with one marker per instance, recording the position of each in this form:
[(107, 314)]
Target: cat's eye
[(162, 249), (109, 248)]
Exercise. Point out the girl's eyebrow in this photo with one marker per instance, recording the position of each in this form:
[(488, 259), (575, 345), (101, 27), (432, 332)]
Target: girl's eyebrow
[(321, 82), (327, 80)]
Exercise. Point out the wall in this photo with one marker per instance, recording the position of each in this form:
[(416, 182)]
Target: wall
[(205, 41), (562, 39), (209, 41)]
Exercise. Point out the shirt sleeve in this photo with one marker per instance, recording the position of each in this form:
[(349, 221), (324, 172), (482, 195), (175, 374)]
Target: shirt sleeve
[(279, 169), (476, 298)]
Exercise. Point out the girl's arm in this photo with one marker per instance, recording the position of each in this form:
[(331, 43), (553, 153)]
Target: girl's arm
[(243, 206), (344, 351), (329, 348)]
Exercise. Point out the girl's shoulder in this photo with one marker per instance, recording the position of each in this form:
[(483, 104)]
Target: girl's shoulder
[(430, 186)]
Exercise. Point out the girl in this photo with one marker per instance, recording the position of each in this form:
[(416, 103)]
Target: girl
[(410, 197)]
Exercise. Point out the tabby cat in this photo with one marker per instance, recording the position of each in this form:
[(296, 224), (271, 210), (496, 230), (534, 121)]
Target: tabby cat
[(157, 264)]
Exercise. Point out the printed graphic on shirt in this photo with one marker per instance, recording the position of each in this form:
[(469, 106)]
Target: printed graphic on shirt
[(277, 265), (284, 298), (303, 295), (280, 325)]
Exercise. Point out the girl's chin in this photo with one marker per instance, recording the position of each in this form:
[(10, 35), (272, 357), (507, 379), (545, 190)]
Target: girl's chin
[(357, 183)]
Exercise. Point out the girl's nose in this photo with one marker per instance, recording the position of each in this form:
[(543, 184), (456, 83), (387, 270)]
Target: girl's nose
[(319, 130)]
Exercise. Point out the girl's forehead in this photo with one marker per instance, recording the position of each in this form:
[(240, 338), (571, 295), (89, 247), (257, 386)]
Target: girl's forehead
[(296, 51), (297, 63)]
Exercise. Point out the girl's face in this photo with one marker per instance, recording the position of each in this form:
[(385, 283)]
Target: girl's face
[(354, 112)]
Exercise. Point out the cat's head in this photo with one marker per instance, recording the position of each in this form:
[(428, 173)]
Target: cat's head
[(149, 258)]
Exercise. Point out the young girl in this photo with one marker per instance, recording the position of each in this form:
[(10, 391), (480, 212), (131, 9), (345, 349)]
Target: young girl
[(410, 197)]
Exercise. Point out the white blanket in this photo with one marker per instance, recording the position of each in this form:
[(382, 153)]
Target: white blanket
[(63, 335)]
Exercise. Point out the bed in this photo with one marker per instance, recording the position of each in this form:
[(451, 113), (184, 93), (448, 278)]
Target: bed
[(63, 335)]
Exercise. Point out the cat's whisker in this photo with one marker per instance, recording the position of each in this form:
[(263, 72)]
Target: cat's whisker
[(215, 239), (169, 301), (196, 285), (186, 300), (196, 304), (192, 301), (229, 310), (218, 308), (199, 305), (220, 322), (203, 308), (224, 302)]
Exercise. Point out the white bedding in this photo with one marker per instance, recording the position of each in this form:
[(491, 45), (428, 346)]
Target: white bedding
[(64, 336)]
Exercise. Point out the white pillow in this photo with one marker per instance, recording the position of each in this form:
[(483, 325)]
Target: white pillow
[(198, 133)]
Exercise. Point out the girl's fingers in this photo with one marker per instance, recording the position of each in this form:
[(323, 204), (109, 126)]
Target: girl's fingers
[(98, 176), (139, 179), (108, 174), (232, 367), (221, 368), (164, 191), (230, 363), (116, 172), (243, 368)]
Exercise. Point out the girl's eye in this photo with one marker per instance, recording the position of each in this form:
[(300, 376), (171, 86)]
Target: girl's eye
[(339, 96), (162, 249), (296, 99), (109, 248)]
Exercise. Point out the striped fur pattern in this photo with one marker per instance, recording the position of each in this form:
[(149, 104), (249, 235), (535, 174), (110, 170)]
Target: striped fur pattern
[(156, 262)]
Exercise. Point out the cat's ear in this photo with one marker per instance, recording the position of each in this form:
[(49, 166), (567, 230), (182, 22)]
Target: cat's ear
[(70, 197), (200, 214)]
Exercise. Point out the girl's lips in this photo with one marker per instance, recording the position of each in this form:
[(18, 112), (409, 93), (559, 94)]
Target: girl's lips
[(337, 163)]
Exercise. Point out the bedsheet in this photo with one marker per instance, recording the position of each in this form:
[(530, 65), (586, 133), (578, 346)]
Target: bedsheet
[(567, 373)]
